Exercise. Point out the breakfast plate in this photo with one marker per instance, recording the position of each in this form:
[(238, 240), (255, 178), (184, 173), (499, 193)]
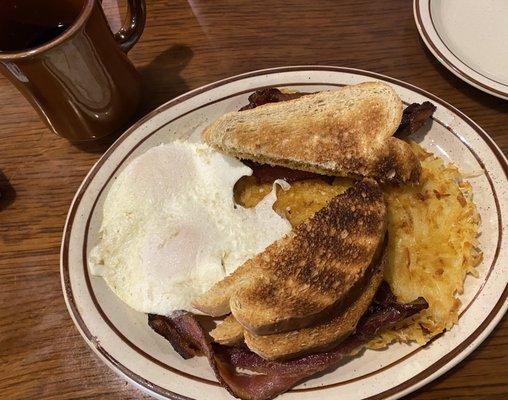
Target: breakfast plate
[(469, 38), (121, 337)]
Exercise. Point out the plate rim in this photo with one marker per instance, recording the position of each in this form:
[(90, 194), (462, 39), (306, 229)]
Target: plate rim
[(485, 328), (445, 56)]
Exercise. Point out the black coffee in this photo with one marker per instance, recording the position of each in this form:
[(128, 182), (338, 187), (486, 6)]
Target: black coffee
[(26, 24)]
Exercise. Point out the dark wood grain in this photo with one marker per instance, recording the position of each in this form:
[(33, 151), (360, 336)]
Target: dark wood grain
[(187, 44)]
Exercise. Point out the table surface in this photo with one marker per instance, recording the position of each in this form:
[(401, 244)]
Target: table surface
[(187, 44)]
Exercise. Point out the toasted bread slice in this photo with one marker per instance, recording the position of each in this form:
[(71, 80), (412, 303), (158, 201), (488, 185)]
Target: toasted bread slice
[(320, 337), (215, 301), (346, 132), (229, 332), (299, 279)]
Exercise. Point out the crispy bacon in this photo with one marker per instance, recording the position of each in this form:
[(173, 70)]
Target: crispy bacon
[(413, 118), (183, 332), (267, 379), (269, 95), (268, 174)]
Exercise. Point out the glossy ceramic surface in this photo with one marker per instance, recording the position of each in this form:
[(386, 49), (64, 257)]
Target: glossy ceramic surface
[(81, 83), (468, 37)]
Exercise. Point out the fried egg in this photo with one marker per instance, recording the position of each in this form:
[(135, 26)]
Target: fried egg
[(171, 228)]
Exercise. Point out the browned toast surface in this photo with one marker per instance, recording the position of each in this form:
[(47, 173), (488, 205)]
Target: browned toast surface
[(320, 337), (300, 278), (345, 132)]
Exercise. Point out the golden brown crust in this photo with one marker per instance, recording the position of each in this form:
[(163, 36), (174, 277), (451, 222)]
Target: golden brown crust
[(229, 332), (347, 132)]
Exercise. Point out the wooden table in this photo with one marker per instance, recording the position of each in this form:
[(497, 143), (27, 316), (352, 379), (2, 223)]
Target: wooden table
[(187, 44)]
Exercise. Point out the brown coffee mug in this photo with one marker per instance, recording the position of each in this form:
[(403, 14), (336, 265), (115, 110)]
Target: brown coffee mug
[(63, 57)]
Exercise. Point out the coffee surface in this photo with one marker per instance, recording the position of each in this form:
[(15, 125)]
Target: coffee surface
[(26, 24)]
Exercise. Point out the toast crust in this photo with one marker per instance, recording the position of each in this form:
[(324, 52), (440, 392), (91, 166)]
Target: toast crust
[(229, 332), (346, 132)]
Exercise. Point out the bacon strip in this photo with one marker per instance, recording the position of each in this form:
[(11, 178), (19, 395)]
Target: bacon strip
[(269, 95), (268, 174), (413, 118), (181, 330), (272, 378)]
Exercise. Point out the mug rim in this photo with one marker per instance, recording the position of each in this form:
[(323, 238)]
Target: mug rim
[(76, 25)]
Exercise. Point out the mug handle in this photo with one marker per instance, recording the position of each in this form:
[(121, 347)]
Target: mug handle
[(133, 26)]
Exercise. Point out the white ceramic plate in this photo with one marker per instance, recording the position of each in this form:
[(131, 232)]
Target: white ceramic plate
[(121, 336), (469, 37)]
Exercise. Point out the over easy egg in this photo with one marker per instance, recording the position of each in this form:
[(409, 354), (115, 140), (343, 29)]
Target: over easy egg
[(171, 229)]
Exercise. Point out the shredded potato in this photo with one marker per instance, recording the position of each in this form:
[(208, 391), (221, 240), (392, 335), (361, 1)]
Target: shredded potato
[(432, 245), (433, 229)]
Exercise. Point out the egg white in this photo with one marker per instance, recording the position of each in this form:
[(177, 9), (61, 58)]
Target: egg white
[(171, 229)]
